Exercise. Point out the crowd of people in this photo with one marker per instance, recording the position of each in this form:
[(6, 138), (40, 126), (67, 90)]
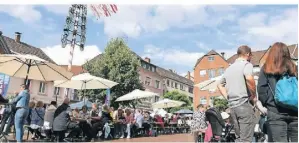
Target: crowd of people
[(237, 85), (57, 121)]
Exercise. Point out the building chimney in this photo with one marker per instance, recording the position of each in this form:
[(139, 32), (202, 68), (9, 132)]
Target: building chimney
[(223, 54), (188, 75), (18, 36), (147, 59)]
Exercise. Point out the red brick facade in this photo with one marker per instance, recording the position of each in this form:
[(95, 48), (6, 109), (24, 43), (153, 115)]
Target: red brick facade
[(211, 61)]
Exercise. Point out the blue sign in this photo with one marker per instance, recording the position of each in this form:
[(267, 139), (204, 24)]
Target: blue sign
[(4, 82)]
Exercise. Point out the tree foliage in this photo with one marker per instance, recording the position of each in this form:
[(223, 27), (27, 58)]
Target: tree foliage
[(118, 64), (178, 96), (221, 104)]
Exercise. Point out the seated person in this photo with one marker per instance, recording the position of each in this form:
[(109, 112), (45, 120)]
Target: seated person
[(94, 113), (120, 123), (62, 121), (49, 118), (84, 120), (100, 121), (166, 120), (129, 122), (147, 120), (159, 121), (138, 120)]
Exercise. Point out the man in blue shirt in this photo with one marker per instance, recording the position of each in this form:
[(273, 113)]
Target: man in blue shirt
[(22, 110)]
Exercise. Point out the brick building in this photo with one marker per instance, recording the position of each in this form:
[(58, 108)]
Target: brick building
[(159, 80), (208, 66)]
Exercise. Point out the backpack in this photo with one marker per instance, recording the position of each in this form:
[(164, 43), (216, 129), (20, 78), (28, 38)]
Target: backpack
[(286, 92)]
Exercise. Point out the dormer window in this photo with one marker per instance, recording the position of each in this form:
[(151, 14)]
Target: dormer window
[(211, 58)]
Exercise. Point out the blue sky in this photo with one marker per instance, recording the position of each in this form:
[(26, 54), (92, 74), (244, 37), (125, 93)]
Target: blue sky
[(173, 36)]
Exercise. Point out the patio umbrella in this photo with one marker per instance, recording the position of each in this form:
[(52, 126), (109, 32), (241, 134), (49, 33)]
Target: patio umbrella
[(136, 94), (32, 67), (210, 84), (85, 81), (184, 111), (167, 103)]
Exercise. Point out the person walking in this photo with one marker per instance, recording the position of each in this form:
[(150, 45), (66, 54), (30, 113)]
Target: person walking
[(282, 122), (22, 107), (238, 86)]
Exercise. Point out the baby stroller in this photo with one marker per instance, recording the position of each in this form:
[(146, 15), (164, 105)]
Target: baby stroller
[(221, 132), (7, 121)]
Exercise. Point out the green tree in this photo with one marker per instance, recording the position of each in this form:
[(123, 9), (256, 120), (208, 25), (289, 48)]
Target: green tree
[(118, 64), (178, 96), (221, 104)]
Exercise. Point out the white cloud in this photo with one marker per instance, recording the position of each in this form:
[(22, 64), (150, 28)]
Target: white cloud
[(173, 56), (267, 29), (26, 13), (61, 55), (132, 20)]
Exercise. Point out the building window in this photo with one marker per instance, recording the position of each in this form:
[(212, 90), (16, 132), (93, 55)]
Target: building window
[(202, 73), (181, 86), (167, 82), (153, 69), (176, 85), (211, 58), (172, 85), (147, 81), (203, 100), (157, 84), (190, 89), (211, 73), (147, 66), (143, 65), (220, 71), (42, 87), (56, 91)]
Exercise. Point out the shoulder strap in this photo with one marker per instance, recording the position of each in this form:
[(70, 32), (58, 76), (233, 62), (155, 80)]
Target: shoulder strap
[(38, 114)]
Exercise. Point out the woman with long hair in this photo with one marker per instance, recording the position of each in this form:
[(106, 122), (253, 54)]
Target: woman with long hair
[(282, 123)]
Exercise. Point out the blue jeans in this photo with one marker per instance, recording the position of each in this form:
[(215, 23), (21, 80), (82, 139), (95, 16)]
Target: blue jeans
[(20, 118)]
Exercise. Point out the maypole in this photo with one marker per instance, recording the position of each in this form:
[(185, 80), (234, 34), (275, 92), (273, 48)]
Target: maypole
[(75, 28)]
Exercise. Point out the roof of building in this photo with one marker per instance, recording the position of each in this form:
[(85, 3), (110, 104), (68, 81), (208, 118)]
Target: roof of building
[(212, 52), (255, 59), (24, 48), (75, 69), (173, 76)]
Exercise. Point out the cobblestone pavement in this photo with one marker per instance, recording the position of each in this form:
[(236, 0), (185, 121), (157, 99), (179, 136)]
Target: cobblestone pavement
[(161, 138)]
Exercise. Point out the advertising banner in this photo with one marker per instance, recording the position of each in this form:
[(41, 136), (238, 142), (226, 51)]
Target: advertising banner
[(4, 82)]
